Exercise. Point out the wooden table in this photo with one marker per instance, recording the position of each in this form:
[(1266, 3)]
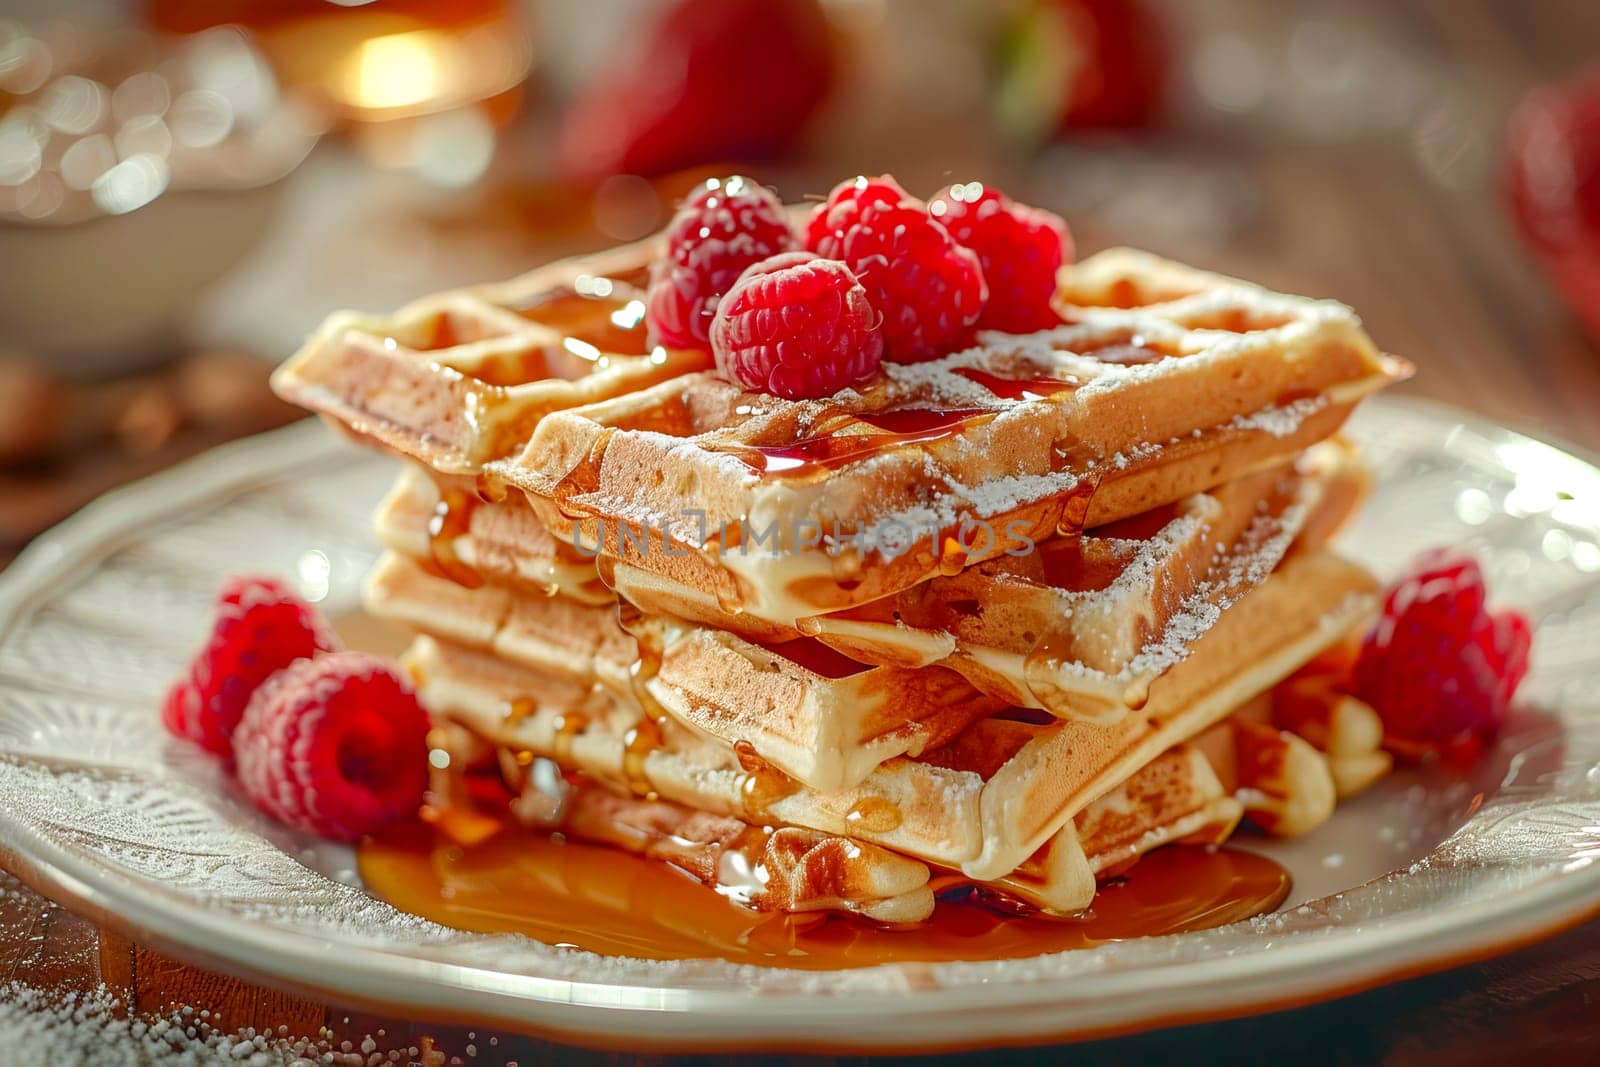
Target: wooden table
[(1413, 235)]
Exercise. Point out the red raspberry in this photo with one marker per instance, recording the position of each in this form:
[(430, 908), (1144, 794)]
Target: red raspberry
[(337, 746), (260, 628), (797, 326), (1438, 667), (724, 227), (1021, 248), (929, 289)]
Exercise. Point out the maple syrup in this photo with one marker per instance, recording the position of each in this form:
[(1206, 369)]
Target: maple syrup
[(873, 815), (638, 743), (611, 323), (816, 657), (952, 555), (763, 784), (1064, 563), (519, 711), (591, 329), (1034, 388), (451, 519), (445, 332), (1129, 355), (1075, 504), (605, 900), (490, 488), (642, 671), (1043, 661), (725, 587), (582, 478), (568, 725), (647, 735), (831, 450)]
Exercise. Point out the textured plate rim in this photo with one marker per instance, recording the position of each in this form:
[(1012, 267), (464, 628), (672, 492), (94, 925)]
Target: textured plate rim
[(1341, 961)]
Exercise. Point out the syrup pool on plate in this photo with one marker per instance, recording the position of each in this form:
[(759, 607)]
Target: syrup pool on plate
[(608, 901)]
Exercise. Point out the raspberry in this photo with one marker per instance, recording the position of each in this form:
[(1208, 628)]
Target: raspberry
[(797, 326), (727, 225), (1021, 248), (929, 289), (1439, 667), (337, 746), (260, 628)]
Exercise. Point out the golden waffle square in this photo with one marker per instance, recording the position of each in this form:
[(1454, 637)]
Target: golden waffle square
[(450, 531), (1165, 381), (1082, 625), (579, 644), (823, 718), (984, 802), (460, 378)]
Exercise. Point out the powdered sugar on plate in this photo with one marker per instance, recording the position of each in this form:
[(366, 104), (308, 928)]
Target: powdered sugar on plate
[(50, 1026)]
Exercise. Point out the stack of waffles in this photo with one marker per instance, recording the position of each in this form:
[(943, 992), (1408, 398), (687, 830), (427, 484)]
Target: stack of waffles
[(1008, 619)]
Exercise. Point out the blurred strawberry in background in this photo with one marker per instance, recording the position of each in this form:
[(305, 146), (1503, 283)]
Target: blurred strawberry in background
[(1081, 64), (1553, 182), (711, 80)]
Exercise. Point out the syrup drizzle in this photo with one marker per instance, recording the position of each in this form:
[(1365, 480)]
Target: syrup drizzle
[(952, 555), (1043, 662), (832, 449), (568, 725), (725, 586), (638, 743), (763, 785), (1016, 388), (520, 711), (817, 657), (1075, 504), (451, 519), (608, 901), (1129, 355), (646, 735), (873, 815), (490, 488), (611, 323)]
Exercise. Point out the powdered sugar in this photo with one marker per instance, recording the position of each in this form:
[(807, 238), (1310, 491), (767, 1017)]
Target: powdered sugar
[(1241, 567), (45, 1026), (1283, 420)]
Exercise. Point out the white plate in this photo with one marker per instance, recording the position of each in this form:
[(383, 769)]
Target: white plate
[(99, 809)]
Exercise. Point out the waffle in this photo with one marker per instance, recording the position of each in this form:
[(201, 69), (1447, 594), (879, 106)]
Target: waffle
[(453, 533), (842, 654), (1168, 381), (1192, 792), (1082, 625), (462, 378), (1140, 596), (981, 803), (802, 706)]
